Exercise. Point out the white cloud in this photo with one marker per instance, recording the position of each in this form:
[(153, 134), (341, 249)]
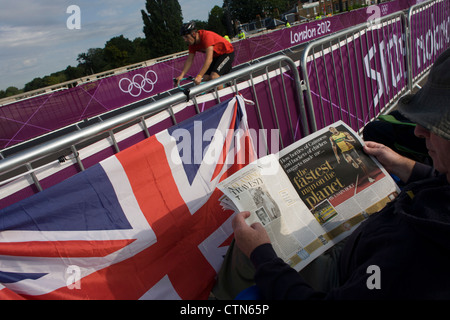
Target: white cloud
[(32, 13), (23, 37), (29, 62), (35, 41), (109, 12)]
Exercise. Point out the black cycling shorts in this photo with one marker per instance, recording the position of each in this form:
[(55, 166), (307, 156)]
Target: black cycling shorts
[(221, 64)]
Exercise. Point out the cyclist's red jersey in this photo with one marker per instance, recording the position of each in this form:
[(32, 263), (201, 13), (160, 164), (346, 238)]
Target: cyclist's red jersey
[(209, 38)]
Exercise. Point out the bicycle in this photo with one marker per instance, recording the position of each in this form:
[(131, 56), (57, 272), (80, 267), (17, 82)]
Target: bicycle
[(186, 91)]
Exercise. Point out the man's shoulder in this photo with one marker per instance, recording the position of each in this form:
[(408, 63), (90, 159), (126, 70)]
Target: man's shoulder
[(207, 34)]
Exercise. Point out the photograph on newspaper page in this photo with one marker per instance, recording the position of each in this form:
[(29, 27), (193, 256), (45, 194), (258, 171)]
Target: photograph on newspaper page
[(311, 194)]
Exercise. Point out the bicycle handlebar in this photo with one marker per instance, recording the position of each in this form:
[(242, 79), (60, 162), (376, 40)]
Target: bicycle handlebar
[(184, 79), (186, 91)]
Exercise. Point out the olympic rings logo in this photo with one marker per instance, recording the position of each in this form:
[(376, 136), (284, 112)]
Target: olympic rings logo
[(139, 83)]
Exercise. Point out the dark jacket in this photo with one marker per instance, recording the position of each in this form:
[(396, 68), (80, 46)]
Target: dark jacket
[(409, 241)]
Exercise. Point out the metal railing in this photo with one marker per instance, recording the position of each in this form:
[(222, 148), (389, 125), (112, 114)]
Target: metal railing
[(361, 72), (428, 36), (355, 74), (50, 150)]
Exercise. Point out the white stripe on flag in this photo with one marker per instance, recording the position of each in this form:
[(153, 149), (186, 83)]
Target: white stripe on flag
[(161, 290)]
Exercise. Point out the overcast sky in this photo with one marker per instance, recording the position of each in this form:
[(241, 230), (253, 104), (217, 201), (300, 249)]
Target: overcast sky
[(35, 40)]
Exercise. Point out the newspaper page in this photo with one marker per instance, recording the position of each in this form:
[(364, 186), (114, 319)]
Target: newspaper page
[(312, 194), (263, 188), (335, 178)]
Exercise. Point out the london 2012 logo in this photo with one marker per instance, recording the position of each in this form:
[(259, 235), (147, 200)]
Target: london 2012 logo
[(139, 83)]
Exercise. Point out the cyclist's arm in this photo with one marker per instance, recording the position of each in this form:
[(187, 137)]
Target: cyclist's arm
[(187, 66), (209, 52)]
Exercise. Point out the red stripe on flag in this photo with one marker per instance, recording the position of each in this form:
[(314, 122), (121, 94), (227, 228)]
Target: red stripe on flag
[(176, 253), (152, 183), (227, 242), (6, 294), (63, 249), (151, 180), (178, 233), (228, 141)]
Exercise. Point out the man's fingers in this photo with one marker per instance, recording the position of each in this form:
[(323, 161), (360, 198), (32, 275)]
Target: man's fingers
[(257, 226), (372, 144), (245, 214), (239, 219)]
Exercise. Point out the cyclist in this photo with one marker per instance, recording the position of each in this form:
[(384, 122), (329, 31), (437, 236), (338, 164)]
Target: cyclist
[(219, 53)]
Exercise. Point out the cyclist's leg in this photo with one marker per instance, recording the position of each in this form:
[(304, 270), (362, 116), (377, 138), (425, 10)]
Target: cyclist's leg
[(221, 65)]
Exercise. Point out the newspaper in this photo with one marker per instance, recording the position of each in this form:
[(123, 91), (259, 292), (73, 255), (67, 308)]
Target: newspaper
[(312, 194)]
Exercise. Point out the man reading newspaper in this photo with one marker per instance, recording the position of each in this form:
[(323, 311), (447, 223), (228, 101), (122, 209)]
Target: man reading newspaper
[(400, 252)]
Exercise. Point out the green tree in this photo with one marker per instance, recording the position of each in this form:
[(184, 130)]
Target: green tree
[(247, 10), (243, 10), (73, 73), (162, 23), (276, 7), (51, 80), (10, 91), (201, 25), (117, 52), (216, 21), (34, 84), (93, 61), (141, 51), (115, 57)]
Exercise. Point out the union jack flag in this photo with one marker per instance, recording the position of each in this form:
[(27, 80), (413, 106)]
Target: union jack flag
[(143, 224)]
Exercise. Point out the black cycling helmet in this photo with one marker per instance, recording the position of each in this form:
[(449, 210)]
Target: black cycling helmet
[(187, 28)]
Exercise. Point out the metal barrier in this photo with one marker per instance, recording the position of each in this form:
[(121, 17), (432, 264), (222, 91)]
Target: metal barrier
[(24, 120), (428, 35), (268, 83), (355, 74), (361, 72)]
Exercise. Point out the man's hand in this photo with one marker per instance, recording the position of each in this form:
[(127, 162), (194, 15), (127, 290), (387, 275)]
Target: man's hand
[(198, 79), (177, 80), (393, 162), (248, 238)]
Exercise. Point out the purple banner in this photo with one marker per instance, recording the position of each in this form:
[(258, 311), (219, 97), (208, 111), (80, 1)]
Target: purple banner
[(367, 71), (36, 116), (353, 81), (265, 116), (359, 76), (430, 35)]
